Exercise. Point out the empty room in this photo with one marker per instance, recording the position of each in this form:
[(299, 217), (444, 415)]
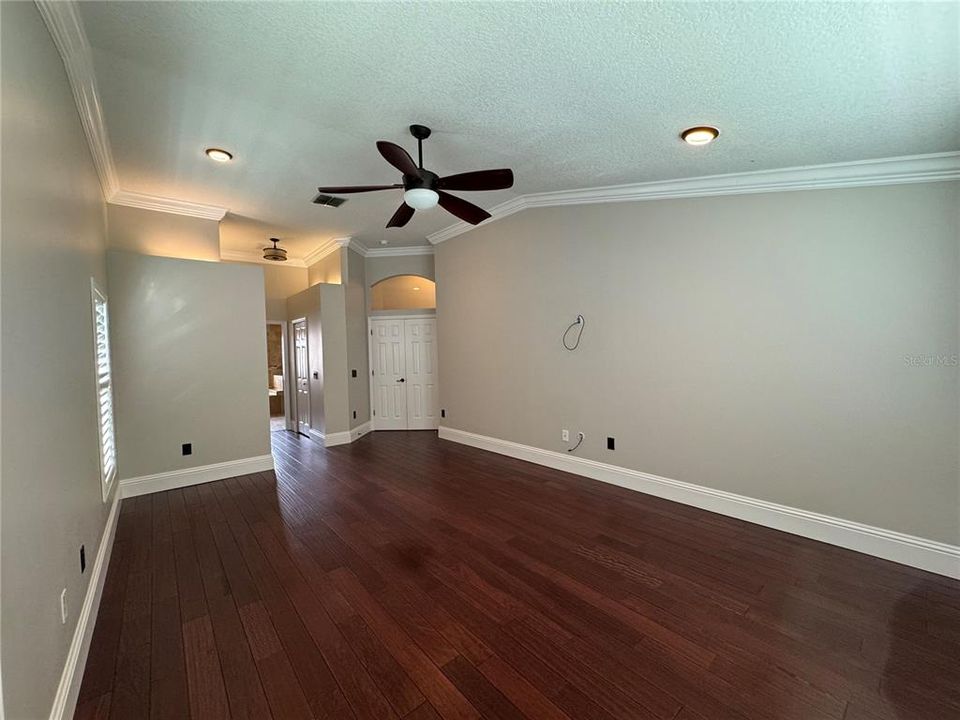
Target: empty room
[(521, 360)]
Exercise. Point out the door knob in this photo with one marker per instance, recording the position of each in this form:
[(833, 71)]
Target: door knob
[(401, 380)]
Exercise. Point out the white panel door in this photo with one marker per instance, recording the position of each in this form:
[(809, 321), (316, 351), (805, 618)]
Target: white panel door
[(302, 373), (389, 384), (420, 351)]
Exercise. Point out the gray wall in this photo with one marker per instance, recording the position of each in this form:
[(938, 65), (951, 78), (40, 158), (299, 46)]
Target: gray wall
[(150, 232), (189, 352), (324, 307), (757, 344), (378, 268), (54, 237), (358, 353)]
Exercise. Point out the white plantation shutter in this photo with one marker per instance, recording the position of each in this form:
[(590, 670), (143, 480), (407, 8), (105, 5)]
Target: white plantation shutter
[(101, 333)]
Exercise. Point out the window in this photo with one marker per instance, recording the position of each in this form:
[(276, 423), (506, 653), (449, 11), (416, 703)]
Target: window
[(101, 346)]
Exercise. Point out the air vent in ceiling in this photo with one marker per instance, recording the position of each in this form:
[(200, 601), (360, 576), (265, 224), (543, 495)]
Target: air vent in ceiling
[(329, 200)]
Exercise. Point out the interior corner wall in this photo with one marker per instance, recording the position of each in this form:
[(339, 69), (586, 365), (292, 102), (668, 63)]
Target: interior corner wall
[(336, 386), (189, 352), (358, 353), (326, 270), (279, 283), (53, 225), (162, 234), (796, 347)]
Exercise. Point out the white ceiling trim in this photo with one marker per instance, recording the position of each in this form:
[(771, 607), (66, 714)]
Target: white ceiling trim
[(252, 257), (325, 249), (66, 28), (934, 167), (167, 205), (399, 251)]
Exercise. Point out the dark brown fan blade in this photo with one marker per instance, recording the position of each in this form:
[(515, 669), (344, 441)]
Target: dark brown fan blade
[(401, 217), (479, 180), (462, 209), (398, 157), (357, 188)]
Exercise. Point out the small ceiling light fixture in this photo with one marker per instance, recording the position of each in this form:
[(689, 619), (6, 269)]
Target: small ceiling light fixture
[(219, 155), (421, 198), (699, 135), (275, 253), (416, 288)]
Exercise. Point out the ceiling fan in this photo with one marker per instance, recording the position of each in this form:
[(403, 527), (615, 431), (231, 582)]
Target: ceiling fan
[(423, 189)]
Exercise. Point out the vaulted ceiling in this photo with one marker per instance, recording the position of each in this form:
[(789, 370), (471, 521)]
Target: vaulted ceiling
[(569, 95)]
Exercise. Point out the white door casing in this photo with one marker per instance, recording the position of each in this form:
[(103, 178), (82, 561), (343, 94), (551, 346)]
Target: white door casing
[(403, 386), (301, 364)]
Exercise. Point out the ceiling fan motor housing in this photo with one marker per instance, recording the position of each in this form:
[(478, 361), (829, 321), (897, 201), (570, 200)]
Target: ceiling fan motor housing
[(425, 179)]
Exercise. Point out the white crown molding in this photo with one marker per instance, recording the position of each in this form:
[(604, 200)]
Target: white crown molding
[(65, 701), (132, 487), (930, 555), (934, 167), (252, 257), (65, 25), (167, 205), (66, 28), (326, 248), (400, 251)]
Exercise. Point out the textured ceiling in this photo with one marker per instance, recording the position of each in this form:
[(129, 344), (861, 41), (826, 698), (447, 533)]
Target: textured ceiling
[(569, 95)]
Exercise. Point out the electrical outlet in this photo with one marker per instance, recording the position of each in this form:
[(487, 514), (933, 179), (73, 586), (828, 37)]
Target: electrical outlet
[(611, 442), (443, 413), (565, 435), (63, 606), (354, 414), (187, 449)]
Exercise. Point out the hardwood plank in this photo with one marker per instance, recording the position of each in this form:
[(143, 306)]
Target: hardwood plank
[(402, 576)]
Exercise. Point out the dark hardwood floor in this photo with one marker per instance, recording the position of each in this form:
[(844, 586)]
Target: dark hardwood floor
[(407, 577)]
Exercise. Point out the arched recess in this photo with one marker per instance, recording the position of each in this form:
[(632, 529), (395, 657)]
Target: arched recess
[(403, 292)]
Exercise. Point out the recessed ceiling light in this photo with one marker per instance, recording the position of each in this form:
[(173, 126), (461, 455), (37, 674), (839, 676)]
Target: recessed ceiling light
[(700, 135), (219, 155), (416, 288)]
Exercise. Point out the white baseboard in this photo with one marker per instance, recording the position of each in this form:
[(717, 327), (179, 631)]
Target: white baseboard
[(930, 555), (65, 702), (159, 482), (342, 438), (317, 435)]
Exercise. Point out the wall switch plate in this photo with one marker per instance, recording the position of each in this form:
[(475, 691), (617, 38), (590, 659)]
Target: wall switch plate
[(63, 606), (443, 413), (354, 414), (565, 435), (186, 449), (83, 559), (610, 443), (353, 373)]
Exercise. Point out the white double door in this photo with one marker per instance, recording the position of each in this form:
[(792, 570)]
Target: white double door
[(403, 361)]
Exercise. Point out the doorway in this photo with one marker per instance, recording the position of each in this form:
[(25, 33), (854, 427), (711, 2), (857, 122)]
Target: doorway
[(301, 369), (277, 375), (404, 390)]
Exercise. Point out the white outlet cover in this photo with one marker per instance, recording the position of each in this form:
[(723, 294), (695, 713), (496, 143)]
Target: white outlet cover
[(63, 606), (565, 435)]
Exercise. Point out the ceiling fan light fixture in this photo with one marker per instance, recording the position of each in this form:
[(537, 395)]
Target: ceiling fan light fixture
[(421, 198), (699, 135), (277, 254), (219, 155)]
